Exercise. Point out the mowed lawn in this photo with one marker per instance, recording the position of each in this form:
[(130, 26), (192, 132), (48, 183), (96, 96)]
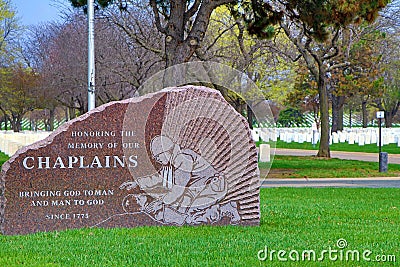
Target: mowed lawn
[(370, 148), (313, 167), (3, 158), (293, 221)]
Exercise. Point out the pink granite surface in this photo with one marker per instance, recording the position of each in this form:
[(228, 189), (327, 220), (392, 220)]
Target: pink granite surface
[(101, 169)]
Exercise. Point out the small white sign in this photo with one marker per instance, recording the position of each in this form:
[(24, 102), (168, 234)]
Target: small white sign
[(380, 114)]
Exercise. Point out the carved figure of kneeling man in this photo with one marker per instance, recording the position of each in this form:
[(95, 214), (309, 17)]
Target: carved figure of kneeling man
[(185, 189)]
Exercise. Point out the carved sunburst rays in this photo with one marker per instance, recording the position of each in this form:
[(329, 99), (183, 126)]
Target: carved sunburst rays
[(207, 125)]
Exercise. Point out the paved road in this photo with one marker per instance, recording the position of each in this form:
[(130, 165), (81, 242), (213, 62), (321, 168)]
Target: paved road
[(378, 182), (374, 157)]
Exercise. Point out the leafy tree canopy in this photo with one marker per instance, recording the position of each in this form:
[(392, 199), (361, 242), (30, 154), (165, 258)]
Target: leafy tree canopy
[(316, 14), (291, 117)]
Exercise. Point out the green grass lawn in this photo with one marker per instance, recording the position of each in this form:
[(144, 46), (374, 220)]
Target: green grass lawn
[(3, 158), (313, 167), (371, 148), (291, 220)]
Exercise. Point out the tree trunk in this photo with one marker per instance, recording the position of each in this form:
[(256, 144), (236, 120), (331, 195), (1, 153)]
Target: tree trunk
[(316, 115), (66, 114), (364, 113), (250, 116), (72, 114), (335, 116), (51, 119), (390, 114), (324, 148), (176, 52), (82, 110), (16, 123), (34, 125), (350, 113), (337, 113), (340, 118), (388, 119)]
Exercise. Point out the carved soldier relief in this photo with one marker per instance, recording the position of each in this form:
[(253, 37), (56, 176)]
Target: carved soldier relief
[(201, 166), (186, 189)]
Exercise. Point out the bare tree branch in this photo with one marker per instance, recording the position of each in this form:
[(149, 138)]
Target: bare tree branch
[(157, 19)]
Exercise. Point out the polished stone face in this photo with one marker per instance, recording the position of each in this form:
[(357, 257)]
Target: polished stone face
[(181, 156)]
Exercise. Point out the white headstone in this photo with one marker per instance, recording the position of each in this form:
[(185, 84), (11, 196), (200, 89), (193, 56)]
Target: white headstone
[(385, 140), (302, 138), (264, 136), (289, 137), (351, 138), (274, 136), (335, 138), (356, 137), (367, 138), (255, 135), (361, 140), (374, 138), (282, 136), (315, 138), (342, 137), (296, 137), (265, 153), (308, 137)]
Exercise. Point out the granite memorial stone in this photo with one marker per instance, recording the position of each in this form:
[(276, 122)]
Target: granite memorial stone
[(181, 156)]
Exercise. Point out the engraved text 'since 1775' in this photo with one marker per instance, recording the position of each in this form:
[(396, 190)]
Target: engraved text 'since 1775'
[(180, 156)]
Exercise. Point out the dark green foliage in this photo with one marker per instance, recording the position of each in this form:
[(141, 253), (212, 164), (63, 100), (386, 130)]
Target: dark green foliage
[(291, 117), (83, 3), (316, 15), (259, 17), (3, 158)]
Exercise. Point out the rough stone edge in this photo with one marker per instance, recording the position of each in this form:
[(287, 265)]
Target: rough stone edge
[(63, 128)]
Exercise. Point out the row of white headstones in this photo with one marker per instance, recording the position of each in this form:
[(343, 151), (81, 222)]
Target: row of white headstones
[(10, 142), (360, 136)]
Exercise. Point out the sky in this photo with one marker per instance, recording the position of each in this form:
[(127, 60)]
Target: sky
[(34, 12)]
